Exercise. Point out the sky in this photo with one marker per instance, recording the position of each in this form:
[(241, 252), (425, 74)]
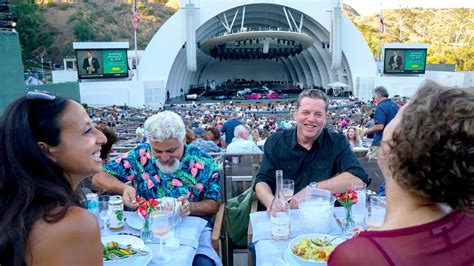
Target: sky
[(368, 7)]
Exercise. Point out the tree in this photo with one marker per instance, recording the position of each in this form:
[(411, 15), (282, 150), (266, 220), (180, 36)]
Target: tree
[(83, 31)]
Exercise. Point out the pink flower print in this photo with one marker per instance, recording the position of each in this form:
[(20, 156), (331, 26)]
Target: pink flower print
[(125, 155), (199, 165), (157, 178), (215, 175), (126, 164), (194, 172), (118, 160), (149, 184), (194, 167), (148, 156), (142, 153), (131, 177), (143, 160), (145, 176), (199, 187), (177, 183)]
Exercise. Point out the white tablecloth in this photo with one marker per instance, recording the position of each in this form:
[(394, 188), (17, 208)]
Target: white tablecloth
[(190, 231), (267, 250)]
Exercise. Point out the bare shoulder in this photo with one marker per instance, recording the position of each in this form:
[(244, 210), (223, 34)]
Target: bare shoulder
[(74, 240)]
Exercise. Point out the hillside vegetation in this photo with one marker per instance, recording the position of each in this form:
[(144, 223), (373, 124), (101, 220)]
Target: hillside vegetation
[(49, 29)]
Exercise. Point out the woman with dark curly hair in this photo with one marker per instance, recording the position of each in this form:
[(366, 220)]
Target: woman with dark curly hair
[(47, 146), (427, 158)]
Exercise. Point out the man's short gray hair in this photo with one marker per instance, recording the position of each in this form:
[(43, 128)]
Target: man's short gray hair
[(313, 94), (165, 125), (241, 131), (381, 91)]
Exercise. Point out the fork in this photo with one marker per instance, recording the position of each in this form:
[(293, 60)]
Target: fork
[(114, 257), (325, 241), (138, 251)]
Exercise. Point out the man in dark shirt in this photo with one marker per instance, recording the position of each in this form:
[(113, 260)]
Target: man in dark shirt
[(384, 113), (229, 127), (309, 153)]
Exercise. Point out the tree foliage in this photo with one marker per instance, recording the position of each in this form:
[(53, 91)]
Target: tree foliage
[(449, 32)]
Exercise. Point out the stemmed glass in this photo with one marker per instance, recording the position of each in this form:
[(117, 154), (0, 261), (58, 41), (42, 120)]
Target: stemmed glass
[(104, 212), (161, 225), (288, 189), (375, 213)]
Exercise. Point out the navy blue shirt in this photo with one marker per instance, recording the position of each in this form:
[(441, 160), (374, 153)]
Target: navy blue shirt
[(329, 156), (384, 113), (228, 129)]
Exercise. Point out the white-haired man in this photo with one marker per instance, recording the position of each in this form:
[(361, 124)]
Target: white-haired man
[(165, 166), (241, 142)]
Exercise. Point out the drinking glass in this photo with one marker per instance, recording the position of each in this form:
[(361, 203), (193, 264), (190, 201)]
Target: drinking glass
[(288, 189), (375, 213), (172, 239), (104, 212), (358, 210), (161, 225)]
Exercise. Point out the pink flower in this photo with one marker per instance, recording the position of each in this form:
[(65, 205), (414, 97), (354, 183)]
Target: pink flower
[(126, 164), (131, 177), (199, 187), (177, 183), (215, 175), (143, 160), (192, 164), (148, 156), (145, 176), (157, 178), (142, 153), (149, 183)]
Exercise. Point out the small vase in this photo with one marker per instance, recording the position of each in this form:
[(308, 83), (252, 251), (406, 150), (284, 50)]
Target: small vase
[(348, 223), (146, 235)]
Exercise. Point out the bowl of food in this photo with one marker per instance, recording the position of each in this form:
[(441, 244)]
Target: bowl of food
[(313, 249)]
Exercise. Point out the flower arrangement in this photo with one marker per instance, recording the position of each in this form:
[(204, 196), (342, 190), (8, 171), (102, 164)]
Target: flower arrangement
[(145, 208), (347, 200)]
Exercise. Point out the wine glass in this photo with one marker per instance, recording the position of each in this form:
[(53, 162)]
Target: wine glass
[(287, 189), (161, 225), (104, 212)]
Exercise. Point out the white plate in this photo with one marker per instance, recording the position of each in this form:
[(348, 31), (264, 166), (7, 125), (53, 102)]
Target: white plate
[(135, 220), (301, 261), (135, 242), (134, 260)]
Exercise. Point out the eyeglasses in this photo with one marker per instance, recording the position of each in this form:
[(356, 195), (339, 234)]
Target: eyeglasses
[(40, 95)]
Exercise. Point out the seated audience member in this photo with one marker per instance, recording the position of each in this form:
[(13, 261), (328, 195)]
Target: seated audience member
[(256, 136), (308, 153), (190, 136), (166, 166), (202, 143), (241, 142), (353, 138), (215, 135), (427, 158), (48, 144)]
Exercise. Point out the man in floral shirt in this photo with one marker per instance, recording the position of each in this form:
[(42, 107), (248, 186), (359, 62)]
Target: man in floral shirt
[(165, 166)]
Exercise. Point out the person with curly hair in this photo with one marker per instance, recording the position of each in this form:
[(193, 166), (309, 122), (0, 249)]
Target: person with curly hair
[(427, 158), (48, 145)]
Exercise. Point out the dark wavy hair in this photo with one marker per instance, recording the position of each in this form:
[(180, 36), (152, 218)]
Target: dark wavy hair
[(111, 140), (432, 149), (31, 184)]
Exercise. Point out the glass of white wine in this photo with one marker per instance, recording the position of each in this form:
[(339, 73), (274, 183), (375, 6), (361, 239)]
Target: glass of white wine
[(161, 225), (288, 189)]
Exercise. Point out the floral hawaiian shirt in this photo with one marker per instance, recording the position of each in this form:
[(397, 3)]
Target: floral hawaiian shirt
[(197, 178)]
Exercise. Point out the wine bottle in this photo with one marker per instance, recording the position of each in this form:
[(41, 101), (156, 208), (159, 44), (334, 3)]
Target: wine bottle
[(279, 212)]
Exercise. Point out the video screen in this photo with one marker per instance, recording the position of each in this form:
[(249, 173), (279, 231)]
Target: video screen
[(102, 63), (404, 61)]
